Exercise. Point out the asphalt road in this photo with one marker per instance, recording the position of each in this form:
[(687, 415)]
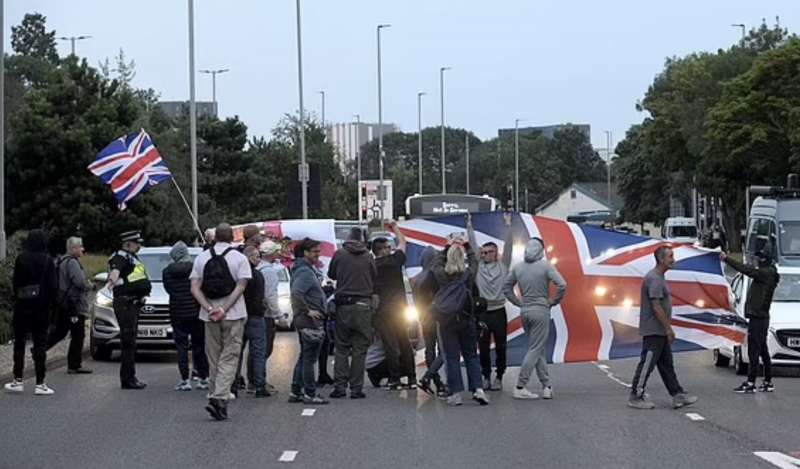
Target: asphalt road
[(91, 423)]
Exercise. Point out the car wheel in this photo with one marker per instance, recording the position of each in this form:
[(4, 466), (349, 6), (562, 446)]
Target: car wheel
[(738, 364), (100, 353), (720, 360)]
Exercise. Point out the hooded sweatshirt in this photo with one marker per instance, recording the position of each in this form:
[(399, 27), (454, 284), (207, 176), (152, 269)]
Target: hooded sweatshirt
[(182, 305), (353, 269), (492, 276), (34, 266), (533, 277)]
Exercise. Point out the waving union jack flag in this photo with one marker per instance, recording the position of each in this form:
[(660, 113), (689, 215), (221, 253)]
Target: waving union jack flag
[(129, 165), (599, 316)]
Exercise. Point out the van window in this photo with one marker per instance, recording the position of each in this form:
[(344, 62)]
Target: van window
[(761, 230), (790, 238), (683, 232)]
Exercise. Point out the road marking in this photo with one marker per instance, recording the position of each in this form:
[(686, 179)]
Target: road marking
[(607, 371), (777, 459), (695, 417), (288, 456), (309, 412)]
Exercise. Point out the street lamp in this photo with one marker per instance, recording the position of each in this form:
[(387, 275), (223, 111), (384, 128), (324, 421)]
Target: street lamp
[(441, 96), (516, 163), (381, 189), (303, 168), (213, 74), (742, 26), (72, 40), (192, 112), (358, 162), (466, 157), (419, 136), (323, 110), (608, 165)]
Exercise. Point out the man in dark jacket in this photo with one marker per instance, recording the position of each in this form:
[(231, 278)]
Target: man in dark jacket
[(255, 329), (756, 310), (183, 315), (353, 269), (34, 289)]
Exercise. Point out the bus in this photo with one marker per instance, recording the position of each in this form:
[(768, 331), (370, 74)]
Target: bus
[(439, 205)]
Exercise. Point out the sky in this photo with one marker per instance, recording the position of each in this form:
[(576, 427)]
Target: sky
[(543, 61)]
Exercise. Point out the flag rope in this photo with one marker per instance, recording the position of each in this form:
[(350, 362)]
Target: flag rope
[(196, 224)]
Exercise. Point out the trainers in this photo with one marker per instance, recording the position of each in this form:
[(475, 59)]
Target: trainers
[(251, 388), (214, 409), (271, 389), (357, 395), (682, 400), (201, 384), (338, 393), (636, 402), (295, 398), (395, 385), (425, 385), (184, 385), (454, 400), (487, 384), (766, 386), (480, 397), (547, 392), (314, 400), (43, 390), (745, 388), (524, 394), (15, 386), (261, 392), (497, 384)]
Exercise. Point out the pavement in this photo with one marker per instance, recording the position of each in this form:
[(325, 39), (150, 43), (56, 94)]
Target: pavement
[(91, 423)]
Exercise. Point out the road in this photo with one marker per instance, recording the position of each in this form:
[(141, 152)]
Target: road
[(91, 423)]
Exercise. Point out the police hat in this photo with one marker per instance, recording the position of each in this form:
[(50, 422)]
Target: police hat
[(135, 236)]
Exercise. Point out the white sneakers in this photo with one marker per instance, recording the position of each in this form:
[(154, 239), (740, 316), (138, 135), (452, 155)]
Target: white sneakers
[(547, 393), (184, 385), (43, 390), (15, 386), (524, 394)]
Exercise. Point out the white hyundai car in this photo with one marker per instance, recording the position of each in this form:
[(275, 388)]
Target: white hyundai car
[(783, 338)]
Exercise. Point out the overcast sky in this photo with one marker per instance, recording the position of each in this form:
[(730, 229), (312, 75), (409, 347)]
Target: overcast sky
[(545, 61)]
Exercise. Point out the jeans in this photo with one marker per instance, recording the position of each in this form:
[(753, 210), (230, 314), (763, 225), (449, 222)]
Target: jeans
[(126, 309), (271, 328), (393, 331), (303, 376), (353, 335), (460, 339), (536, 324), (77, 333), (223, 344), (184, 330), (496, 322), (757, 329), (255, 331), (35, 323), (656, 351)]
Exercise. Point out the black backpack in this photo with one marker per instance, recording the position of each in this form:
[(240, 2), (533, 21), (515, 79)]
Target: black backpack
[(217, 279)]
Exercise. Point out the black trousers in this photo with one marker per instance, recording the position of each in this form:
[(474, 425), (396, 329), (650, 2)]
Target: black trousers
[(757, 329), (182, 331), (126, 309), (34, 323), (77, 333), (393, 331), (656, 352), (496, 322)]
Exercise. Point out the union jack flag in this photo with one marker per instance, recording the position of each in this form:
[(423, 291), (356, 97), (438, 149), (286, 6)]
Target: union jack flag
[(129, 165), (598, 318)]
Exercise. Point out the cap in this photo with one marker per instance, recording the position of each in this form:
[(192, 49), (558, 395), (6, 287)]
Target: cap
[(269, 247), (135, 236)]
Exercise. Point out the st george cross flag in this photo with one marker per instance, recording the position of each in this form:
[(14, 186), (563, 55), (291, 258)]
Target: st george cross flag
[(598, 318), (129, 165)]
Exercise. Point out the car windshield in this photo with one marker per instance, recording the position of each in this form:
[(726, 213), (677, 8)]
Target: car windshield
[(684, 231), (790, 238), (788, 288), (154, 264)]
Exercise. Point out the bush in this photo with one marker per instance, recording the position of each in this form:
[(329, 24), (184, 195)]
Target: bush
[(6, 273)]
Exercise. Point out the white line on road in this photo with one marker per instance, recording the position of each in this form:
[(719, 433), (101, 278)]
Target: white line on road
[(309, 412), (695, 417), (777, 459), (288, 456), (607, 370)]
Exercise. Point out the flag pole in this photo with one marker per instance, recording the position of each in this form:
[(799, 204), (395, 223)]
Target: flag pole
[(191, 214)]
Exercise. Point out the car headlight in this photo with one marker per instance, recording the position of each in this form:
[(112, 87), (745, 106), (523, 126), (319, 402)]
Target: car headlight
[(412, 314), (103, 300)]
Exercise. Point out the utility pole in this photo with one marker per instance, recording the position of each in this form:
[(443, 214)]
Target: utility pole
[(466, 157), (441, 96), (358, 164), (2, 135), (419, 137), (516, 164), (322, 93), (381, 188), (303, 167), (608, 166), (192, 112)]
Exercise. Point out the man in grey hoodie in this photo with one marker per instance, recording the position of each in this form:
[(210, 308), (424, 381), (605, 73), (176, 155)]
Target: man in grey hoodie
[(534, 277)]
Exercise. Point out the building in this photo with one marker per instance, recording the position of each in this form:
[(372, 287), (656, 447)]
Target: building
[(548, 131), (174, 109), (582, 198), (348, 137)]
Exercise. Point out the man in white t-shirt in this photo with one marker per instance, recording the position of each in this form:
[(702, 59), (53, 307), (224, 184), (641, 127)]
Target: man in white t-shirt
[(219, 292)]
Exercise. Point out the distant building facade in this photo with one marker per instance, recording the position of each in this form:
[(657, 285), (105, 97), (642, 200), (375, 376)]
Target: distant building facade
[(548, 131), (348, 137), (174, 109)]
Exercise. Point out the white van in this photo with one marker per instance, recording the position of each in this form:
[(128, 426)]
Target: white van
[(679, 230)]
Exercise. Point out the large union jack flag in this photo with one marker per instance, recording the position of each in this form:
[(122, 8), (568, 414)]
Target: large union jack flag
[(129, 165), (599, 316)]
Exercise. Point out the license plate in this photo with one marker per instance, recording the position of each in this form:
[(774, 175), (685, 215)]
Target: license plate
[(152, 332), (793, 342)]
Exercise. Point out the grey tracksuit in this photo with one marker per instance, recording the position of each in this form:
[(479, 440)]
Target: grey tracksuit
[(533, 277)]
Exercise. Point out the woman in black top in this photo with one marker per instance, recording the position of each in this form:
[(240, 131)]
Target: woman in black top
[(34, 288)]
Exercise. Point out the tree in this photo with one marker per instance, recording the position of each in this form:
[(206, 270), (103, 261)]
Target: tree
[(32, 39)]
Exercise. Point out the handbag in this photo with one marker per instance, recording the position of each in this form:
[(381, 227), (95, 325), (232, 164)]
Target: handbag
[(32, 292)]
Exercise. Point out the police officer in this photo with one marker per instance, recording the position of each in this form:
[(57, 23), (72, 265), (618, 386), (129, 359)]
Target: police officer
[(127, 280)]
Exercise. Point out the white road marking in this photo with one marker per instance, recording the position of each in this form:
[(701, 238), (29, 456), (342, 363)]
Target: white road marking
[(607, 370), (309, 412), (695, 417), (783, 461), (288, 456)]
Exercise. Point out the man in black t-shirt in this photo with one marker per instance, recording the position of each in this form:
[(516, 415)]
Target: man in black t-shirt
[(129, 284), (390, 322)]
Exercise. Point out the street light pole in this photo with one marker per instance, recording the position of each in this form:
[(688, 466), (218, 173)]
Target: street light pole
[(466, 157), (213, 74), (358, 163), (72, 40), (303, 168), (743, 28), (2, 135), (608, 165), (516, 164), (441, 96), (419, 137), (323, 110), (192, 112), (381, 189)]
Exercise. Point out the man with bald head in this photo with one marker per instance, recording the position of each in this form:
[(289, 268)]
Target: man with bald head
[(219, 277)]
